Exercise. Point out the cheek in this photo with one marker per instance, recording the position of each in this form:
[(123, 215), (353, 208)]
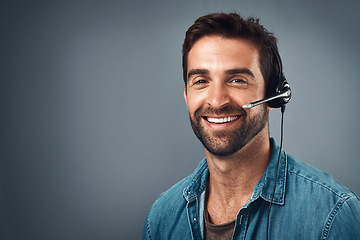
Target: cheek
[(250, 97), (194, 102)]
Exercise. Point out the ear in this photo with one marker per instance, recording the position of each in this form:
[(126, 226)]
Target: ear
[(185, 94), (269, 108)]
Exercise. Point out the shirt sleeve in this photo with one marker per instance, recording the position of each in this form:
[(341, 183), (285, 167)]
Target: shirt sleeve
[(344, 221), (146, 230)]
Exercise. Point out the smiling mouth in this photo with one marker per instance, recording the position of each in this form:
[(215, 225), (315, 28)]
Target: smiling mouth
[(220, 120)]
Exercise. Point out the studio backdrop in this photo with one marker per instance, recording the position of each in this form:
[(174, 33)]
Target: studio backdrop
[(93, 124)]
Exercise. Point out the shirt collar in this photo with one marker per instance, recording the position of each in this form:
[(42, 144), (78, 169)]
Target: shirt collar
[(198, 181), (263, 189)]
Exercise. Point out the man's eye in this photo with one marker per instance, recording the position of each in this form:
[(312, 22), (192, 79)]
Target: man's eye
[(201, 81), (237, 80)]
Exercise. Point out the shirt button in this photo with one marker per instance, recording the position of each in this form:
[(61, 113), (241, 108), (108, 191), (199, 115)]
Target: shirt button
[(195, 219)]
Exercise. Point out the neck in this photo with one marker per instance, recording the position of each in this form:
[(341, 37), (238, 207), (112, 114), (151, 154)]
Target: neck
[(233, 178)]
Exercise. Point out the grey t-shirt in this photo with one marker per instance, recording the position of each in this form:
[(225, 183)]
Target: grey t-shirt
[(216, 232)]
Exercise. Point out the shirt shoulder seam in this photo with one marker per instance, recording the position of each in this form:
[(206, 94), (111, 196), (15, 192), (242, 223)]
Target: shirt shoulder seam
[(342, 195), (148, 225), (332, 216)]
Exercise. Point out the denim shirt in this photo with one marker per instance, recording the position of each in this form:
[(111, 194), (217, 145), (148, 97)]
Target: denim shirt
[(308, 204)]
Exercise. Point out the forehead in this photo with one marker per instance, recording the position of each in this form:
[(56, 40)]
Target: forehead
[(220, 52)]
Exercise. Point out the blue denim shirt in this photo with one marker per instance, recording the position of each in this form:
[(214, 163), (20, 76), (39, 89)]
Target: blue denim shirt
[(308, 204)]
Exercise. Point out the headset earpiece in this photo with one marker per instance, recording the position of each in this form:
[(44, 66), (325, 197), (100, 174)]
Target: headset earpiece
[(278, 84)]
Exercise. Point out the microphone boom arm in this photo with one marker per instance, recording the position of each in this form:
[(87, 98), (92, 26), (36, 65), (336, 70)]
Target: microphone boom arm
[(285, 94)]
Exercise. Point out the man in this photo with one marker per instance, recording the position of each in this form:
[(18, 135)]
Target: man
[(228, 62)]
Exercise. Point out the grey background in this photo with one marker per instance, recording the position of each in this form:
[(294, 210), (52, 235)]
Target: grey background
[(93, 125)]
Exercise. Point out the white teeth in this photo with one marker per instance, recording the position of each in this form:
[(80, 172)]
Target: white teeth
[(221, 120)]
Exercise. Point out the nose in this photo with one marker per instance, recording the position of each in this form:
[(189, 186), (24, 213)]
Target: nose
[(218, 95)]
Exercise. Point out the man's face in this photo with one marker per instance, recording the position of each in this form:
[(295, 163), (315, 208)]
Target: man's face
[(223, 75)]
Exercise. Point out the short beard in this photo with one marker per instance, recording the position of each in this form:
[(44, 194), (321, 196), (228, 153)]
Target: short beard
[(225, 143)]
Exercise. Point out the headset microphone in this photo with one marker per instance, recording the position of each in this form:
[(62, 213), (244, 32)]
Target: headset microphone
[(285, 94)]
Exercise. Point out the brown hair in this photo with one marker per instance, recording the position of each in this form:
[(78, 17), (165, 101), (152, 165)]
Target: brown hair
[(234, 26)]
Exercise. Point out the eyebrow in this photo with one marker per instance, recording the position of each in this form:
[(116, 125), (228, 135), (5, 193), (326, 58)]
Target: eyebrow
[(240, 71), (228, 72), (197, 71)]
